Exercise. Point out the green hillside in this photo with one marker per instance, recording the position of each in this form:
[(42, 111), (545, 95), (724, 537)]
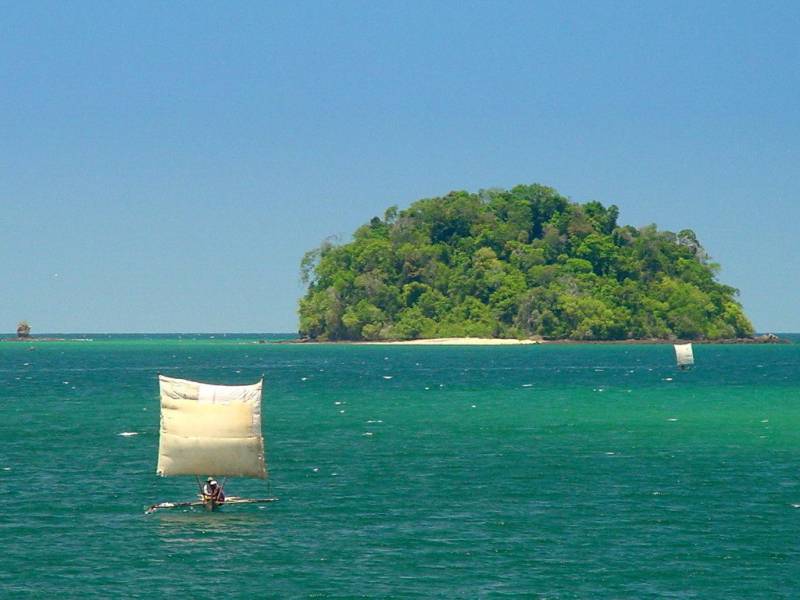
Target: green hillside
[(518, 263)]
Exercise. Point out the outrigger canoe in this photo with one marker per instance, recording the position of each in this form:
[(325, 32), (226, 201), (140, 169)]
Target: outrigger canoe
[(210, 430), (209, 505)]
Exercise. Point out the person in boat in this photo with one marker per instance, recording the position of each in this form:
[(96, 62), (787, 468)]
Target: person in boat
[(213, 491)]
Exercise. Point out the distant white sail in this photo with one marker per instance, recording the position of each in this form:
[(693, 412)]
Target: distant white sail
[(684, 355), (210, 429)]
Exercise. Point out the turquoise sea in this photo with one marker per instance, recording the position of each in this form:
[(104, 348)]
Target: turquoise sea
[(550, 471)]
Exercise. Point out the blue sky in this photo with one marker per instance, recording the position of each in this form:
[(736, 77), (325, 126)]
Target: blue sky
[(164, 166)]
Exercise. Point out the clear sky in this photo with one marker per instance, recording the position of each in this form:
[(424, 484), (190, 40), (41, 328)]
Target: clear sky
[(164, 166)]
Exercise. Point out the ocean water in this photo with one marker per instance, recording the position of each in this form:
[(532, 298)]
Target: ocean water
[(551, 471)]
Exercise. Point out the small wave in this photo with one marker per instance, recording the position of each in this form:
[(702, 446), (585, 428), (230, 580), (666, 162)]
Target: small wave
[(527, 385), (129, 433), (387, 376)]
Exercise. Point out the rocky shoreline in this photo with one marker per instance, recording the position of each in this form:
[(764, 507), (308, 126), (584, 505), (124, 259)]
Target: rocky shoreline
[(33, 339)]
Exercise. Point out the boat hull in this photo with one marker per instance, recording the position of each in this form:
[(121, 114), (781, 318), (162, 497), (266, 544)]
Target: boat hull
[(211, 506)]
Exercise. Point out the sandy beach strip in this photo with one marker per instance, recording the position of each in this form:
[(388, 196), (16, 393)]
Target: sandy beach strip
[(457, 341)]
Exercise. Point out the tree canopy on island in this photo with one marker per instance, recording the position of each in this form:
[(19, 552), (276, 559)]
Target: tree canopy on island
[(525, 262)]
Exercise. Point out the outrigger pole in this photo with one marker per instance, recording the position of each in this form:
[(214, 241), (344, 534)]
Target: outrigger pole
[(231, 500)]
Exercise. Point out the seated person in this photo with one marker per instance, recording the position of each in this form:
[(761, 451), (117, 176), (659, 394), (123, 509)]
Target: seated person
[(213, 491)]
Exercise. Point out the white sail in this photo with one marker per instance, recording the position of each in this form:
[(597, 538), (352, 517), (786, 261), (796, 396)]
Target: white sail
[(210, 429), (684, 355)]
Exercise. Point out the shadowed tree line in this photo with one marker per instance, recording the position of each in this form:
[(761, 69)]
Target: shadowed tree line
[(515, 263)]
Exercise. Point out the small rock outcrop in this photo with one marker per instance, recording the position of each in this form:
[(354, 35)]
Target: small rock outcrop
[(23, 330), (768, 338)]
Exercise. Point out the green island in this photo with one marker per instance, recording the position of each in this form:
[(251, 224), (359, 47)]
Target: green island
[(520, 263)]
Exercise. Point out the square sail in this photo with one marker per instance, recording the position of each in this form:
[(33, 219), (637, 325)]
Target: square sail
[(210, 429), (684, 355)]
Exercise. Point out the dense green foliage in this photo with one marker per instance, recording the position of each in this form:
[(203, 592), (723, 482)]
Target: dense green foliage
[(518, 263)]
